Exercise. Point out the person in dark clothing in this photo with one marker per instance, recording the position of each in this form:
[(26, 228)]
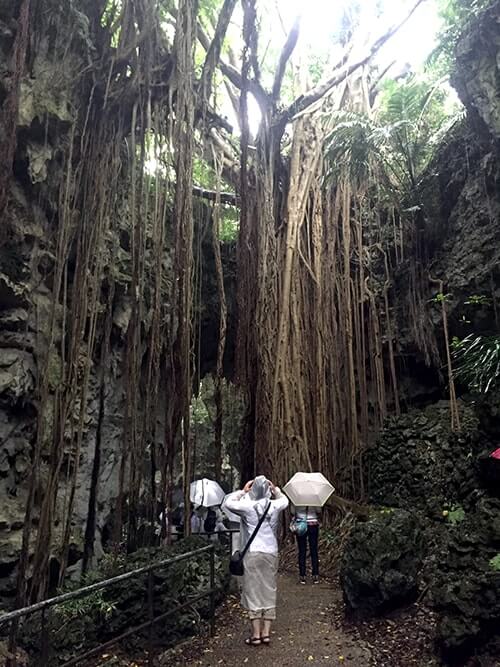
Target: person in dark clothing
[(178, 520), (307, 516), (210, 521)]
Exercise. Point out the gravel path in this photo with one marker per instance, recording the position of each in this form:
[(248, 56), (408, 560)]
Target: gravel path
[(303, 634), (311, 629)]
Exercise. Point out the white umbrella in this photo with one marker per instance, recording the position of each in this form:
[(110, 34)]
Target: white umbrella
[(205, 493), (308, 489), (230, 515)]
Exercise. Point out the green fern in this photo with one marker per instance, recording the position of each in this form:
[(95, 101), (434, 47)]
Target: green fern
[(398, 143), (414, 111)]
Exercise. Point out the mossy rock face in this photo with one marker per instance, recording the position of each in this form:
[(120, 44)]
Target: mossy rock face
[(381, 562), (418, 463), (465, 582), (81, 625)]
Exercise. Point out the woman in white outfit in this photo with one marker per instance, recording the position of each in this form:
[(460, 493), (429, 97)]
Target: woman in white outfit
[(261, 561)]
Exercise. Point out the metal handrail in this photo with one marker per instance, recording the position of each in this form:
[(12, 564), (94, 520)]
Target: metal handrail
[(45, 605), (91, 588), (218, 532)]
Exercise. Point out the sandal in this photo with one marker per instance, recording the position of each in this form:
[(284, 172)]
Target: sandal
[(253, 641), (266, 639)]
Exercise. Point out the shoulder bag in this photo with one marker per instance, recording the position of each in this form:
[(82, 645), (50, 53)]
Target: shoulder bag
[(299, 526)]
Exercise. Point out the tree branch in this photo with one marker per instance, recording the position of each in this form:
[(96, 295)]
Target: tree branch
[(253, 87), (235, 100), (214, 119), (374, 90), (250, 18), (211, 195), (235, 77), (287, 51), (304, 101), (214, 49), (229, 157)]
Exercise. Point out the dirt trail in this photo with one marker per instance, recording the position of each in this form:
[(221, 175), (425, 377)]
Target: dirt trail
[(303, 634)]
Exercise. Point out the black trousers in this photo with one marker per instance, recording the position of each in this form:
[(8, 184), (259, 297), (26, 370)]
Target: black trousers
[(311, 535)]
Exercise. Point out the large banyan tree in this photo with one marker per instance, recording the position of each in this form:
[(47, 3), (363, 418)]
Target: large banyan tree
[(142, 94)]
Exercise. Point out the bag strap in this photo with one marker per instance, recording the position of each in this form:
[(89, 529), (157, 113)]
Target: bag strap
[(247, 545)]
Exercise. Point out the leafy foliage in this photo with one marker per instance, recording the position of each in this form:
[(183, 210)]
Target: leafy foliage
[(440, 298), (478, 300), (495, 563), (79, 625), (477, 361), (230, 224), (204, 176), (400, 140), (93, 603), (203, 413), (413, 111), (454, 14), (353, 145), (456, 515)]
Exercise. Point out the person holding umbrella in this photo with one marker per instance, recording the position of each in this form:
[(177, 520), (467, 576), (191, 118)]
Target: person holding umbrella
[(305, 525), (308, 493), (197, 518), (259, 506), (205, 495)]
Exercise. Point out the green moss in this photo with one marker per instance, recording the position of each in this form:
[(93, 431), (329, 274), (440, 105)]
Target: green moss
[(54, 370)]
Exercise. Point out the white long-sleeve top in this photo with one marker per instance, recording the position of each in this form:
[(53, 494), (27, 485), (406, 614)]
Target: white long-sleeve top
[(250, 512), (309, 514)]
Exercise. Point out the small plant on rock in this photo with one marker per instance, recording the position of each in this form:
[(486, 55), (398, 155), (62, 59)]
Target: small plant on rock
[(440, 298), (455, 515), (495, 563), (478, 300)]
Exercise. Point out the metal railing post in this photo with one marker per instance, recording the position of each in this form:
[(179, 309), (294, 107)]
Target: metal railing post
[(151, 615), (212, 591), (44, 639), (12, 645)]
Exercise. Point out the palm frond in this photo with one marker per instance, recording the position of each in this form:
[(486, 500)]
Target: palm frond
[(477, 361)]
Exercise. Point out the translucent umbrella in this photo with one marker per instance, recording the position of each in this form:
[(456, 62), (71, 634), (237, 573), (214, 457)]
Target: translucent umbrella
[(230, 515), (205, 493), (308, 489)]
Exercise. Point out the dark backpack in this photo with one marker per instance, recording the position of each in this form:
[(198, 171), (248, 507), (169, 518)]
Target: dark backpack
[(210, 521), (178, 517)]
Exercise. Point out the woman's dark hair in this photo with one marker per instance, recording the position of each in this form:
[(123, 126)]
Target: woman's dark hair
[(210, 521)]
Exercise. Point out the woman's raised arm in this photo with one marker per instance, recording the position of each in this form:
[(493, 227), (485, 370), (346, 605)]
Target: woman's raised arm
[(235, 502), (280, 500)]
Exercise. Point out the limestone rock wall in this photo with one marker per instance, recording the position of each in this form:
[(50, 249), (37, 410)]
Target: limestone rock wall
[(455, 236), (477, 73), (27, 263), (445, 479), (65, 38)]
